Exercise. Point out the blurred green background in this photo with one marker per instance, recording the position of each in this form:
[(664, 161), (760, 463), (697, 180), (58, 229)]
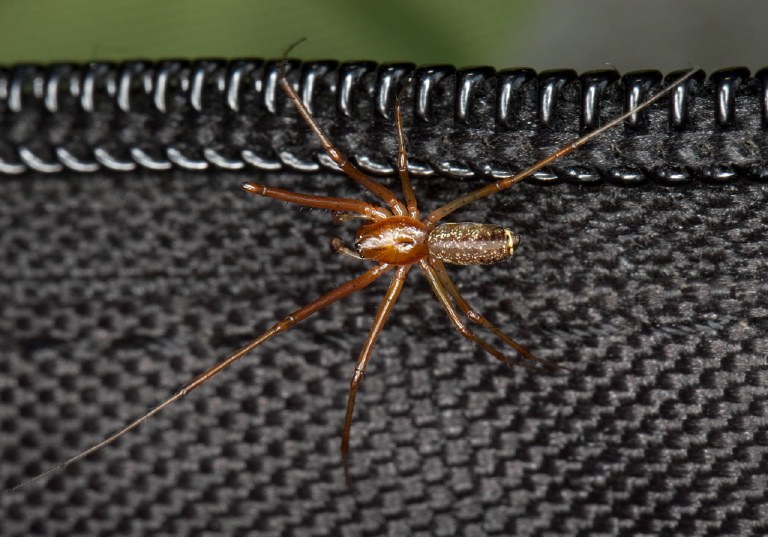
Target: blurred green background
[(420, 31), (584, 34)]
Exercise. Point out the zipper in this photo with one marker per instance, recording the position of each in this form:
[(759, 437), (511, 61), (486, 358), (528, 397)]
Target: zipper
[(460, 123)]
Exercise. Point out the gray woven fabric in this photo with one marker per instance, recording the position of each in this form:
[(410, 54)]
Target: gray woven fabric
[(115, 290)]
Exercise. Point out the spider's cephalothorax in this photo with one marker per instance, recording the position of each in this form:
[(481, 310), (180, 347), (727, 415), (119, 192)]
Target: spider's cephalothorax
[(395, 238)]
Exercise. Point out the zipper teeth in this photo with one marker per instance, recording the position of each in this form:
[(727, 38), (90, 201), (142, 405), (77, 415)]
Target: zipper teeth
[(213, 114)]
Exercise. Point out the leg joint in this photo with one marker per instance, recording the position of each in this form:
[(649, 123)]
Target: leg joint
[(357, 378), (473, 316), (464, 331), (336, 156), (285, 324)]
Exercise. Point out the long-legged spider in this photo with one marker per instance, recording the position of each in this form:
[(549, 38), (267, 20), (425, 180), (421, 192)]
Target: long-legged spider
[(395, 237)]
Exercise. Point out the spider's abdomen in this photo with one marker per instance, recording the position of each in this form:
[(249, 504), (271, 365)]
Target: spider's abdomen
[(468, 243), (398, 240)]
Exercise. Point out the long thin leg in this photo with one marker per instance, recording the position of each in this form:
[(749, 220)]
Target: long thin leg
[(362, 362), (492, 188), (453, 315), (371, 212), (475, 317), (402, 160), (337, 156), (300, 314)]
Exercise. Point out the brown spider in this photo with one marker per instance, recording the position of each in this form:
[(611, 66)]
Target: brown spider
[(395, 238)]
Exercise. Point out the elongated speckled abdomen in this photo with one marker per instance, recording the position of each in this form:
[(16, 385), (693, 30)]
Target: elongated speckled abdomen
[(468, 243)]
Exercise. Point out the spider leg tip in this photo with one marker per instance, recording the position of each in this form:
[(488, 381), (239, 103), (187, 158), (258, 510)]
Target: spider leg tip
[(293, 46)]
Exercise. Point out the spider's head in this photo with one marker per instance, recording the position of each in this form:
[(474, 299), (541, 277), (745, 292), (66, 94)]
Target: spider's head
[(397, 240)]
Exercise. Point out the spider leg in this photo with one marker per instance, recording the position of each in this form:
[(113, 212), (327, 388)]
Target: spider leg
[(300, 314), (368, 211), (402, 160), (362, 362), (476, 317), (492, 188), (337, 156), (453, 314), (339, 217)]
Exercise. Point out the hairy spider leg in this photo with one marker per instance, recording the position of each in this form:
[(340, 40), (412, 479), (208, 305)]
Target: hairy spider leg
[(402, 159), (474, 316), (364, 210), (300, 314), (362, 361), (502, 184), (333, 152), (444, 298)]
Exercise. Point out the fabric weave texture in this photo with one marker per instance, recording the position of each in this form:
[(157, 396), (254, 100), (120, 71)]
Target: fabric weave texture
[(117, 289)]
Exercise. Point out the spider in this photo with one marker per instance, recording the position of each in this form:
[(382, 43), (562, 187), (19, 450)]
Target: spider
[(394, 238)]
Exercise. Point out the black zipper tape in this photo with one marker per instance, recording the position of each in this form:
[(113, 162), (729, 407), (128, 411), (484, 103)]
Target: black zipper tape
[(460, 123)]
